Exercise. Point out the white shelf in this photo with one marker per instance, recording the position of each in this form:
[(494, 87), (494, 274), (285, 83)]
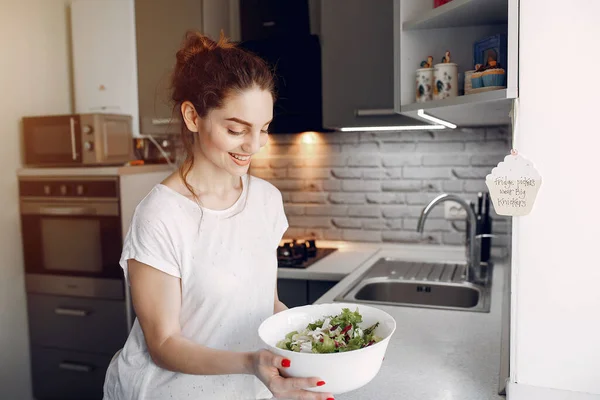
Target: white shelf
[(460, 13), (481, 109), (492, 95)]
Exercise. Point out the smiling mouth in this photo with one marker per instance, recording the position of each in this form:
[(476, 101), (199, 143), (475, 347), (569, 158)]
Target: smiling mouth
[(241, 160), (239, 157)]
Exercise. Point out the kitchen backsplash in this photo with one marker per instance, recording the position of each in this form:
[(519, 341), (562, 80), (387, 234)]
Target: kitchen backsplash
[(364, 186)]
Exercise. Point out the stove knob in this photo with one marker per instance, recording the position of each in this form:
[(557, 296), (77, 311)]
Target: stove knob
[(63, 190), (300, 251), (80, 190), (47, 190), (89, 146), (284, 251), (312, 248)]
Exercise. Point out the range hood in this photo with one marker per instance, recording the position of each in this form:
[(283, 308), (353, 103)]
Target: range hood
[(296, 61)]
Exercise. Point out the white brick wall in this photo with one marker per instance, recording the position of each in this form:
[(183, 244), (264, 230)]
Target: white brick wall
[(371, 186)]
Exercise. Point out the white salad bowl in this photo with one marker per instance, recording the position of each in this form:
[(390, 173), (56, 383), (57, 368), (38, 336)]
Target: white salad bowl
[(342, 372)]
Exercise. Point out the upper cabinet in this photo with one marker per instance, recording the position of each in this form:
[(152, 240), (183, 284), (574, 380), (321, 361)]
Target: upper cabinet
[(357, 50), (266, 19), (160, 29), (340, 63), (221, 15), (472, 31)]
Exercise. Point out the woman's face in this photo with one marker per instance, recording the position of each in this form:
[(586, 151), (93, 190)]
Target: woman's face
[(229, 136)]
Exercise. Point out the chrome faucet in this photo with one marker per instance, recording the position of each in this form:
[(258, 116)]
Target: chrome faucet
[(473, 270)]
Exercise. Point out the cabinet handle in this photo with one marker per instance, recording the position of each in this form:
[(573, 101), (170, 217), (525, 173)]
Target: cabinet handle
[(161, 121), (67, 211), (376, 112), (71, 312), (73, 149), (71, 366)]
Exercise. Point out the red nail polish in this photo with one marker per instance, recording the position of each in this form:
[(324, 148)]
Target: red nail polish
[(330, 398), (285, 363), (320, 383)]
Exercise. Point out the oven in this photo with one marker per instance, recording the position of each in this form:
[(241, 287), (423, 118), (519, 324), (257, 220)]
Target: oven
[(71, 227)]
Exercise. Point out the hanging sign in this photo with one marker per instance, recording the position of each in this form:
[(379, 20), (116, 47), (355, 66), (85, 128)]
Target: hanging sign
[(513, 185)]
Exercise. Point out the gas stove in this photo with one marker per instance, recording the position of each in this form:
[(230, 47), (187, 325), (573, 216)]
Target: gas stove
[(300, 253)]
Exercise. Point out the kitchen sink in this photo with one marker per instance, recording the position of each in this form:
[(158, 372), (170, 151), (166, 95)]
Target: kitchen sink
[(418, 284)]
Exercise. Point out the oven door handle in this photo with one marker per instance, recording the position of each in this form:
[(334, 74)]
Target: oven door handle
[(67, 211)]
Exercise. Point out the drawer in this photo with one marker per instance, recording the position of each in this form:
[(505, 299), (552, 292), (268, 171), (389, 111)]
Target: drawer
[(91, 325), (67, 375)]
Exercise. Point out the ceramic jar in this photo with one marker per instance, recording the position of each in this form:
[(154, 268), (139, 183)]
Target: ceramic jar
[(424, 85), (445, 77)]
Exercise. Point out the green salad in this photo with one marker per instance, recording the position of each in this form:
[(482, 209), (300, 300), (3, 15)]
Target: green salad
[(333, 334)]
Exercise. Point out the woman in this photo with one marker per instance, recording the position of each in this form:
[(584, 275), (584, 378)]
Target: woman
[(200, 254)]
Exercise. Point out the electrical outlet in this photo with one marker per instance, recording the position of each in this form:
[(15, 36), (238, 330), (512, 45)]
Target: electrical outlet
[(454, 211)]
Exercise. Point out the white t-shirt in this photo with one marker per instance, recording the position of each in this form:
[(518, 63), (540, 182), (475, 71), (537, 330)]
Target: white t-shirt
[(228, 270)]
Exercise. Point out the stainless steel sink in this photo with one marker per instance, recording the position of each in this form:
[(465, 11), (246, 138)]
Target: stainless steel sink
[(418, 284)]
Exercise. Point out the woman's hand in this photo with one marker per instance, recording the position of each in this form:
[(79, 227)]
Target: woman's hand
[(266, 367)]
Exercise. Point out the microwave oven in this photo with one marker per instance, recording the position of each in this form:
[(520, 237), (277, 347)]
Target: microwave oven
[(77, 140)]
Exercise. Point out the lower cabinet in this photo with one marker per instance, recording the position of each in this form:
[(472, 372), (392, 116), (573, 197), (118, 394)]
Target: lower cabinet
[(67, 375), (300, 292), (72, 340), (316, 289), (79, 324)]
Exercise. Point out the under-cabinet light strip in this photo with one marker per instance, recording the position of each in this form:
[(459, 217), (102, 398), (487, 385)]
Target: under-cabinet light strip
[(421, 113), (392, 128)]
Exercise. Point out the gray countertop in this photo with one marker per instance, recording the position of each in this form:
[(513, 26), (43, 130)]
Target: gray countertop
[(351, 255), (93, 170), (434, 354)]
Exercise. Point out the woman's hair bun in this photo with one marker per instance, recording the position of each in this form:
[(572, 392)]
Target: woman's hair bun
[(196, 43)]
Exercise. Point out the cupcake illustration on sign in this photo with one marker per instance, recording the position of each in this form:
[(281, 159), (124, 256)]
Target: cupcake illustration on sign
[(513, 185)]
